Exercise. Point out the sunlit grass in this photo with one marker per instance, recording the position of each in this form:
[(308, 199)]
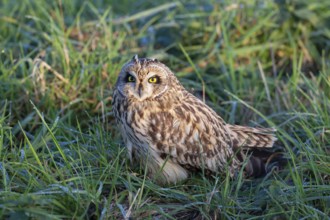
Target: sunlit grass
[(255, 63)]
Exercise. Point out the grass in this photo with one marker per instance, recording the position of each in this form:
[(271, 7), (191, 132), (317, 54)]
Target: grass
[(256, 63)]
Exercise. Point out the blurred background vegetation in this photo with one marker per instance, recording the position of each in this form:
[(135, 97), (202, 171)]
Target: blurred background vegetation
[(255, 62)]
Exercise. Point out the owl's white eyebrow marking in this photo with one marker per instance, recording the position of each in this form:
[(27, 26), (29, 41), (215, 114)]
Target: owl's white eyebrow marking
[(132, 73), (154, 76)]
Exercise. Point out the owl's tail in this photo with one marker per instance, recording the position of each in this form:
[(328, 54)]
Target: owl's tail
[(254, 144), (247, 137)]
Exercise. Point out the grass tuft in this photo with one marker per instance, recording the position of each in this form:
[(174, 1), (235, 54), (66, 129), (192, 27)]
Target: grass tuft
[(256, 63)]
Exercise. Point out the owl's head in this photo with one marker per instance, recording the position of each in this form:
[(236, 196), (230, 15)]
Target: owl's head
[(143, 78)]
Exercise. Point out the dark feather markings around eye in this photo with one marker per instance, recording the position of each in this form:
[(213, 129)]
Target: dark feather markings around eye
[(154, 80), (130, 78)]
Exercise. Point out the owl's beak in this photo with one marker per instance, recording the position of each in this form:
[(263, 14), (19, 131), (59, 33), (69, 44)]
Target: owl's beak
[(139, 90)]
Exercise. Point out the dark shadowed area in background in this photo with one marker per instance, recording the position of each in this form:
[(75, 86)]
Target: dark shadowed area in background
[(256, 63)]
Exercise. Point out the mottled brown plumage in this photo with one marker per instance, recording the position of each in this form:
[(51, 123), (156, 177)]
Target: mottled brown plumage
[(172, 132)]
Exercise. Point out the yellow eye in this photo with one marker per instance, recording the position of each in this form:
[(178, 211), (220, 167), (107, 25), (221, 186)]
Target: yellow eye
[(130, 78), (153, 79)]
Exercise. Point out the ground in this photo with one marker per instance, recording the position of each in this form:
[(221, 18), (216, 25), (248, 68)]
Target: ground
[(256, 63)]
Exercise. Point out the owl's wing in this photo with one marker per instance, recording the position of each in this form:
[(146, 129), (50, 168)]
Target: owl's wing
[(191, 133)]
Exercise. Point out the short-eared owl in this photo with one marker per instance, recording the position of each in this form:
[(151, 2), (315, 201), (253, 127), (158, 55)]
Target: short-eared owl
[(172, 132)]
